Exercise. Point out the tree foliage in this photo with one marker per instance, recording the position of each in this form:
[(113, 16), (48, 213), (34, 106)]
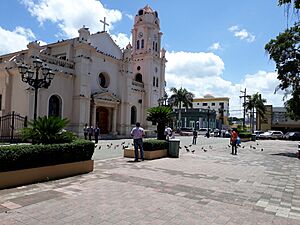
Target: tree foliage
[(284, 50), (181, 98), (161, 115)]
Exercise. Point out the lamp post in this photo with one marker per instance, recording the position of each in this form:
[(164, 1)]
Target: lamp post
[(208, 111), (27, 75)]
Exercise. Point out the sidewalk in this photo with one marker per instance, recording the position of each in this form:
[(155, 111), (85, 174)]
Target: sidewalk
[(213, 187)]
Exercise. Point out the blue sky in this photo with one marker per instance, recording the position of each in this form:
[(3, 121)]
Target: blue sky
[(213, 47)]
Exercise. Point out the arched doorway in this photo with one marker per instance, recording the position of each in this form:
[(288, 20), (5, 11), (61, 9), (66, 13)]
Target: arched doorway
[(54, 107), (102, 116)]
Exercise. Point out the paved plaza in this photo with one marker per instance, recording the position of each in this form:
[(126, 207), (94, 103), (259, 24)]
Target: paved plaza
[(261, 185)]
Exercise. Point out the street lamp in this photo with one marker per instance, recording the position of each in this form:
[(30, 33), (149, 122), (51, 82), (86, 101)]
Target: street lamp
[(208, 111), (27, 75)]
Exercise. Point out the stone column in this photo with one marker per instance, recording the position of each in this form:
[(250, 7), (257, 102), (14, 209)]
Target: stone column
[(114, 121)]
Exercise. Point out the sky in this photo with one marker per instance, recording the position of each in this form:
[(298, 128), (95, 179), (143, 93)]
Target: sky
[(213, 47)]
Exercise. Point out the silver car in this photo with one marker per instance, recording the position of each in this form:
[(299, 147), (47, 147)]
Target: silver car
[(271, 134)]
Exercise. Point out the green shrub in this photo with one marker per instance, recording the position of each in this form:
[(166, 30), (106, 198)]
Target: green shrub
[(154, 144), (48, 130), (30, 156), (245, 135)]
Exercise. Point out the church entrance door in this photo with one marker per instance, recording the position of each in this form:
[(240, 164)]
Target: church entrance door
[(102, 116)]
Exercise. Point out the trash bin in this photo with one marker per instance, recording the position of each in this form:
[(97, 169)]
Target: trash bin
[(253, 137), (173, 150)]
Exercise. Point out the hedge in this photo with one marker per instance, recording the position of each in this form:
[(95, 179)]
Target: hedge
[(154, 144), (245, 135), (29, 156)]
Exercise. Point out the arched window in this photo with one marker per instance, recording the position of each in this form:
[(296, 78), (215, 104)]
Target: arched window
[(138, 44), (54, 108), (156, 46), (139, 78), (153, 45), (103, 80), (153, 81), (142, 44), (157, 82), (133, 115)]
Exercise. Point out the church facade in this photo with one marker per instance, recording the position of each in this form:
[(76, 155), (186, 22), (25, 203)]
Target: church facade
[(95, 81)]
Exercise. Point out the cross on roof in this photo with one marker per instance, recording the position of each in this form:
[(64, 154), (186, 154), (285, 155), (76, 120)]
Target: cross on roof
[(104, 23)]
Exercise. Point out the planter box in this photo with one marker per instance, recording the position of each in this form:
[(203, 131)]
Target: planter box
[(28, 176), (129, 153)]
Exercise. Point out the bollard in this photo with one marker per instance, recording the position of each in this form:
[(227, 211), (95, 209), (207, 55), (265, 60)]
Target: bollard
[(299, 151)]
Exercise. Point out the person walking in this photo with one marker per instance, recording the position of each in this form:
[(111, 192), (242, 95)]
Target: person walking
[(96, 133), (85, 131), (91, 131), (168, 132), (195, 134), (233, 141), (138, 133)]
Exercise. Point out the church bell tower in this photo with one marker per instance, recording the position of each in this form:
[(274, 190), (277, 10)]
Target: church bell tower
[(148, 57)]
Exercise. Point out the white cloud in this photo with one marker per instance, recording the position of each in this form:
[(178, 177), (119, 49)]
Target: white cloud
[(189, 64), (121, 39), (70, 15), (242, 34), (129, 16), (202, 81), (215, 46), (11, 41)]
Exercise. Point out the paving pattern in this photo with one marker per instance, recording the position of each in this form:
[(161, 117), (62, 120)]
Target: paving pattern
[(210, 186)]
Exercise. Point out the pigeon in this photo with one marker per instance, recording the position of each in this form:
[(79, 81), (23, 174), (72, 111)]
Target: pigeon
[(186, 146), (179, 147), (108, 146), (254, 147), (262, 149), (193, 151), (250, 146), (190, 145), (99, 147), (243, 146), (204, 150), (123, 143), (125, 146), (229, 146), (256, 143), (187, 149)]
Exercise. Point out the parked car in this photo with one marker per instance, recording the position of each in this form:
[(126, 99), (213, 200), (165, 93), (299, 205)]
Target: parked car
[(186, 131), (257, 133), (295, 136), (271, 134), (202, 131)]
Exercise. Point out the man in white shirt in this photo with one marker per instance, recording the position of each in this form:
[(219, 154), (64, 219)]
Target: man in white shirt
[(138, 133), (168, 132)]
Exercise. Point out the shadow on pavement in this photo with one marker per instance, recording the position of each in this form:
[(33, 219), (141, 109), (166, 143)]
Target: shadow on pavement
[(287, 154)]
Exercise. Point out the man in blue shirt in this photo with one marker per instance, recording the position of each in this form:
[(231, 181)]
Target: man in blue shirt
[(138, 133)]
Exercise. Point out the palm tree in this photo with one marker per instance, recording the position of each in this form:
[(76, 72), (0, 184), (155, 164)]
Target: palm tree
[(161, 115), (255, 102), (181, 97)]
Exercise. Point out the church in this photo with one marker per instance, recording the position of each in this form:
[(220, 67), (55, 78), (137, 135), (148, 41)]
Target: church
[(94, 81)]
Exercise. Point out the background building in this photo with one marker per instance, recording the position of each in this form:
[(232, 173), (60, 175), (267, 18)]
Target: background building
[(219, 104), (275, 118)]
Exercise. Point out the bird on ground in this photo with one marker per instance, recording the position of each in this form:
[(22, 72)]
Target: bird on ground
[(254, 147), (243, 146), (179, 147), (99, 147), (125, 146), (250, 146), (256, 143), (262, 149), (190, 145), (229, 146), (95, 146), (187, 149), (123, 143), (193, 151), (108, 146), (186, 146), (204, 150)]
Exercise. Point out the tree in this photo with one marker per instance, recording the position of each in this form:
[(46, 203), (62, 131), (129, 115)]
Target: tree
[(161, 115), (181, 98), (284, 50), (255, 102), (47, 130)]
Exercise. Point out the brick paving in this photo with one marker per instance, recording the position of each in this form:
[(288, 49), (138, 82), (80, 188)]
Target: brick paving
[(258, 186)]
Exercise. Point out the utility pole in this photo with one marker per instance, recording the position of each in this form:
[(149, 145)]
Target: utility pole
[(244, 111)]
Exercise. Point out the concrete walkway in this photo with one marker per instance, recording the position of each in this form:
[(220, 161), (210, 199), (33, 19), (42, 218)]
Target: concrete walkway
[(258, 186)]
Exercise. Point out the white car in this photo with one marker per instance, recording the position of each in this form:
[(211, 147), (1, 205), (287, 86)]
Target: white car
[(271, 134)]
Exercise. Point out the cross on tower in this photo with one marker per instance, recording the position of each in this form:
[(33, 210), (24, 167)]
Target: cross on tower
[(104, 23)]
